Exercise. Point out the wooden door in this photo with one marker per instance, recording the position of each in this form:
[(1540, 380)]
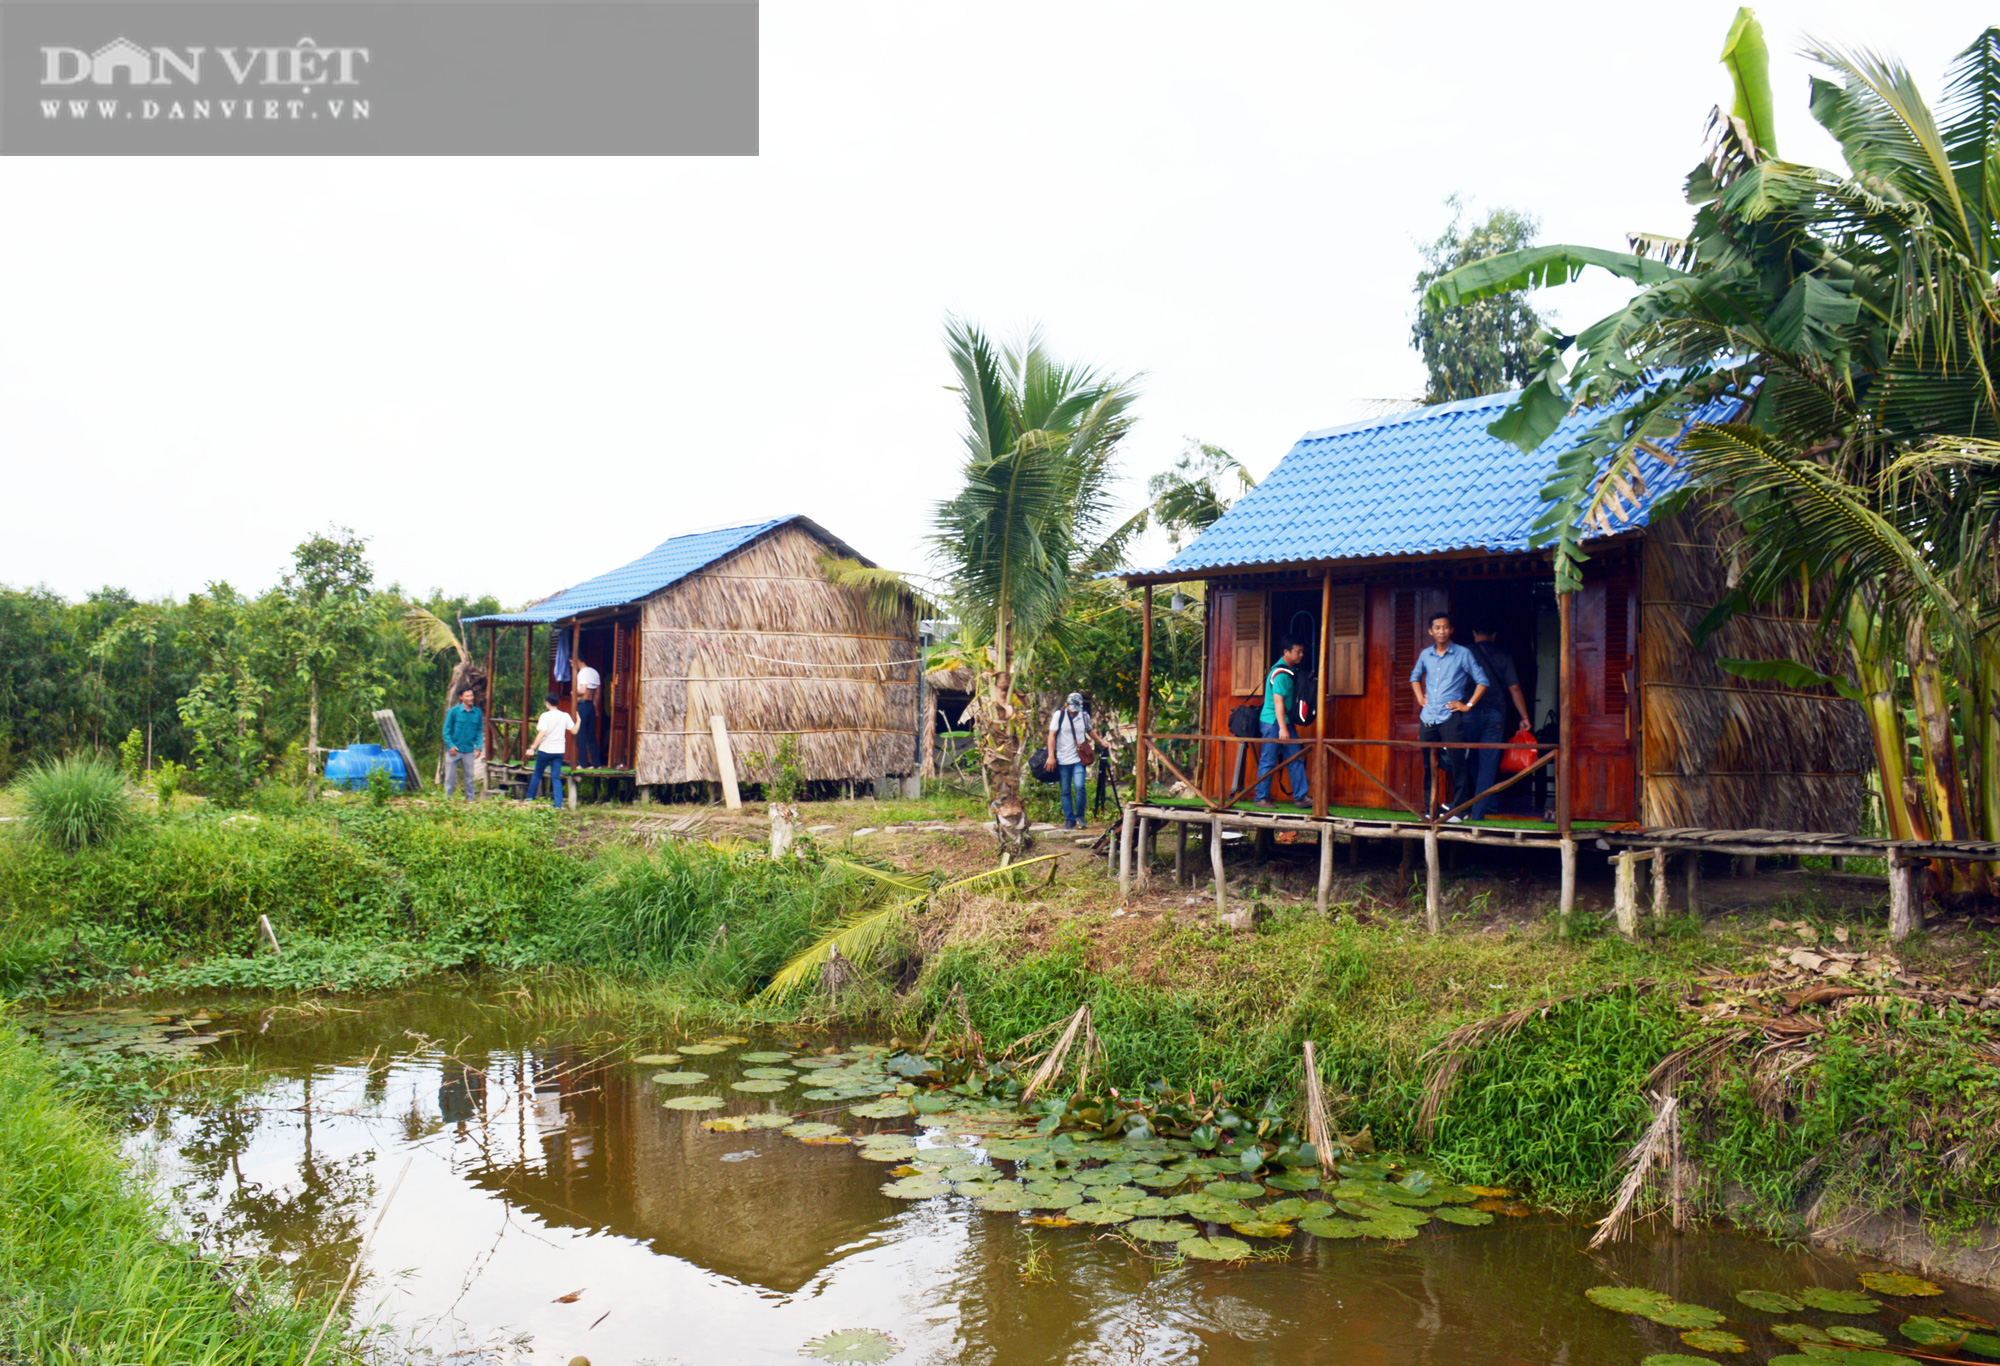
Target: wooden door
[(1603, 710), (621, 691), (1237, 628), (1416, 604)]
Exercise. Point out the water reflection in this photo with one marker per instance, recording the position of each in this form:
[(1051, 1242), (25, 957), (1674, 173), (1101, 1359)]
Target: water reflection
[(538, 1169)]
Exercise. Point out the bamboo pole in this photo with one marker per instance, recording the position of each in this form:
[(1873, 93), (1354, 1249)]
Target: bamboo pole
[(1565, 708), (1325, 868), (1145, 691), (1215, 864), (1126, 827), (1143, 870), (1319, 769), (1567, 902), (1433, 884)]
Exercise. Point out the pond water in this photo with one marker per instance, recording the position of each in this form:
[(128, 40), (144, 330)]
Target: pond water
[(550, 1206)]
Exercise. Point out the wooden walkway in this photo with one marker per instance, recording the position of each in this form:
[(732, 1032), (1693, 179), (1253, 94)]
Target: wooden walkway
[(1629, 848)]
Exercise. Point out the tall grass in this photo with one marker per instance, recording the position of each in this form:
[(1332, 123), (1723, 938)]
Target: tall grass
[(74, 801), (84, 1275)]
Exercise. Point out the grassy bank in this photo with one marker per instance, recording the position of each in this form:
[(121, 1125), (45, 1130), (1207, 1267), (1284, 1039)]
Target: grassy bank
[(1793, 1111), (84, 1275)]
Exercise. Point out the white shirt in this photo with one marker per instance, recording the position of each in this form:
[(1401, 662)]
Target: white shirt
[(1064, 731), (552, 731), (586, 678)]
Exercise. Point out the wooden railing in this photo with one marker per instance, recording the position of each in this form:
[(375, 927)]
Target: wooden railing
[(1320, 747)]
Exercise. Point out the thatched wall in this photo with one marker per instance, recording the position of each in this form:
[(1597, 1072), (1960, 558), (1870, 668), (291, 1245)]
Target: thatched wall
[(1721, 751), (758, 637)]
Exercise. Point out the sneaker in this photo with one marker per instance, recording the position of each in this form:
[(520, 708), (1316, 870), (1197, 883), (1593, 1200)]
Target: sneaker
[(1454, 820)]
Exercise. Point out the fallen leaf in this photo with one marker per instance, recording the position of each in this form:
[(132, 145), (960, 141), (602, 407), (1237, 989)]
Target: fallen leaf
[(571, 1298), (1806, 932), (599, 1319), (1840, 933)]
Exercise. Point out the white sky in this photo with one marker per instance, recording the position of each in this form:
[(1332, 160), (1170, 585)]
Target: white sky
[(514, 374)]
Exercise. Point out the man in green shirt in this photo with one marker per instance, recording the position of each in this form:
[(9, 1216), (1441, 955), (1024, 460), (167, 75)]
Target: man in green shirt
[(464, 737), (1281, 690)]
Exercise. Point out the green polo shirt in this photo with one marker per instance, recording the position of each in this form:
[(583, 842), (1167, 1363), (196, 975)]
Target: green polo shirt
[(1279, 684)]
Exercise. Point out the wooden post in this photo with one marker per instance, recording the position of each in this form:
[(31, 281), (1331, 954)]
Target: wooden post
[(1145, 692), (1142, 857), (1319, 768), (1215, 865), (1180, 854), (527, 687), (575, 746), (1409, 857), (1567, 903), (1565, 706), (725, 761), (1746, 865), (1433, 883), (492, 639), (1659, 884), (1625, 894), (1906, 905), (569, 780), (1125, 831), (1325, 867), (1692, 882), (1354, 851)]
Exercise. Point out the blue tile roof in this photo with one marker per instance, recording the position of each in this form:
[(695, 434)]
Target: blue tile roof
[(1417, 483), (666, 564)]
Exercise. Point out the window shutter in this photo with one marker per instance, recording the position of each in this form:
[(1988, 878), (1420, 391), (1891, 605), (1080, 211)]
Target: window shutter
[(1347, 642), (1404, 657), (1246, 661), (1618, 640)]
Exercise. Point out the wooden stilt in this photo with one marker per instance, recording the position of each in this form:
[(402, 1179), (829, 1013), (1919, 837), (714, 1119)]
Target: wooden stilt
[(1433, 884), (1409, 858), (1906, 905), (1691, 876), (1125, 828), (1353, 851), (1325, 868), (1215, 865), (1746, 865), (1625, 894), (1659, 884), (1567, 903), (1180, 853), (1142, 856)]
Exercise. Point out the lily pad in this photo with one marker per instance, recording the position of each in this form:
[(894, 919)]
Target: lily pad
[(1293, 1208), (1161, 1230), (1332, 1228), (1263, 1228), (929, 1104), (1714, 1340), (1839, 1301), (758, 1087), (1896, 1283), (1621, 1299), (1675, 1359), (1982, 1344), (1097, 1213), (1822, 1352), (765, 1057), (1470, 1218), (881, 1109), (742, 1123), (702, 1049), (1927, 1332), (1858, 1337), (811, 1129), (1295, 1181), (854, 1346), (1233, 1190), (1770, 1301), (657, 1059), (888, 1152), (769, 1073), (692, 1103), (1160, 1181), (723, 1040), (917, 1188), (1799, 1333), (1676, 1315), (679, 1078), (1214, 1249)]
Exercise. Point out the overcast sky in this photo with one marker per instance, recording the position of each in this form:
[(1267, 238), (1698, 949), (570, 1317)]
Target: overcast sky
[(514, 374)]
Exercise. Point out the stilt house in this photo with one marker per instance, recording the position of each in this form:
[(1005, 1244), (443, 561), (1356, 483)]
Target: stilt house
[(739, 623), (1363, 532)]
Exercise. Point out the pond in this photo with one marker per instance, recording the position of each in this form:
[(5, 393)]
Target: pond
[(549, 1204)]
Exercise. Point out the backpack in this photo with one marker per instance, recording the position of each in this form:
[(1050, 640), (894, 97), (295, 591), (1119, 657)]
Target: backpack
[(1245, 721), (1495, 697), (1300, 713)]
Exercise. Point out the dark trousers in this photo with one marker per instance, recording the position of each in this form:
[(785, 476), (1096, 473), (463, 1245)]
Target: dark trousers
[(587, 753), (1483, 727), (550, 764), (1451, 762)]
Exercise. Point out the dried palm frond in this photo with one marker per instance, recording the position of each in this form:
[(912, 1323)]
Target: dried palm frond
[(1079, 1031), (432, 634), (1658, 1149), (1319, 1132)]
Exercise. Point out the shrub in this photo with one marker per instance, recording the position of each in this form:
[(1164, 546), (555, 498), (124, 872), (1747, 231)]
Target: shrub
[(74, 801)]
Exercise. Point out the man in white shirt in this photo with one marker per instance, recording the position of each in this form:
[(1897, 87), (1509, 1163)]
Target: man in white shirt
[(588, 755), (551, 739)]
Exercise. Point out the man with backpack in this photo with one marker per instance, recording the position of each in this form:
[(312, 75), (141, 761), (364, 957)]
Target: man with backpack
[(1486, 723), (1275, 723), (1071, 753)]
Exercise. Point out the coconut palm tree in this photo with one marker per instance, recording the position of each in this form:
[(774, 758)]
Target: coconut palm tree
[(1192, 495), (1033, 518)]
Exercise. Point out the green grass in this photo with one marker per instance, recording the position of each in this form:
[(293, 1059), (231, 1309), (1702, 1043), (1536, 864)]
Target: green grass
[(84, 1274), (74, 801)]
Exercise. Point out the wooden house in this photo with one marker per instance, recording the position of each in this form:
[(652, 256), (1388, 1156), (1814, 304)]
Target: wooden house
[(1364, 531), (740, 623)]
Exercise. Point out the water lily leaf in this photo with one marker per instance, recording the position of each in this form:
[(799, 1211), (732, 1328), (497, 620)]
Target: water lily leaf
[(881, 1109), (811, 1129), (1294, 1181), (1150, 1207), (1621, 1299), (1896, 1283), (1161, 1181), (917, 1188), (1429, 1200), (814, 1063), (1491, 1192), (1233, 1190), (679, 1078), (1098, 1214), (853, 1346), (1714, 1340), (1798, 1332), (1927, 1332), (932, 1103), (1002, 1200), (888, 1152), (1859, 1337), (1676, 1359), (1839, 1301), (1470, 1218), (758, 1087), (1332, 1228), (1455, 1195), (1014, 1149), (1059, 1196), (944, 1156), (726, 1125), (657, 1059), (1983, 1344), (765, 1057), (769, 1073), (1161, 1230), (828, 1138), (1263, 1228), (724, 1040), (701, 1049), (1676, 1315), (1770, 1301), (692, 1103), (1214, 1249), (1113, 1174), (1360, 1209), (1821, 1353), (1293, 1208)]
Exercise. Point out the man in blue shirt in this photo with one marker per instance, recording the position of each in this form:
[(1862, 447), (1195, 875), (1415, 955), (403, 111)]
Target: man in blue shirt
[(464, 737), (1281, 688), (1443, 676)]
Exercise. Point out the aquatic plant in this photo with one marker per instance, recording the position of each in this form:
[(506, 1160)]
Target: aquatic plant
[(74, 801)]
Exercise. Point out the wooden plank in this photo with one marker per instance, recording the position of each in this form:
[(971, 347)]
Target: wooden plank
[(392, 736), (1565, 747), (725, 761)]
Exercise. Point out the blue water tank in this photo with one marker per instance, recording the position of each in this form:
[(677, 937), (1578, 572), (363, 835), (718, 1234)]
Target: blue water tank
[(350, 767)]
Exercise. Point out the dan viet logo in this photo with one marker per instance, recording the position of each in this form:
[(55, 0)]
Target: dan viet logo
[(301, 82)]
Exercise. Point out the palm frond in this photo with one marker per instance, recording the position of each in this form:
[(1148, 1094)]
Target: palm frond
[(887, 591), (432, 633)]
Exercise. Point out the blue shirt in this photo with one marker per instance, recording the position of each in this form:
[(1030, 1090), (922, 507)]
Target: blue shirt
[(464, 728), (1447, 678)]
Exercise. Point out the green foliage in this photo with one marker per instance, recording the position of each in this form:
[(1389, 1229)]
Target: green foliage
[(1486, 345), (167, 779), (381, 786), (1191, 495), (788, 775), (75, 801), (132, 755), (84, 1274)]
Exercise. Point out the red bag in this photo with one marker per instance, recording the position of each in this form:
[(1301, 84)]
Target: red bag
[(1515, 760)]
